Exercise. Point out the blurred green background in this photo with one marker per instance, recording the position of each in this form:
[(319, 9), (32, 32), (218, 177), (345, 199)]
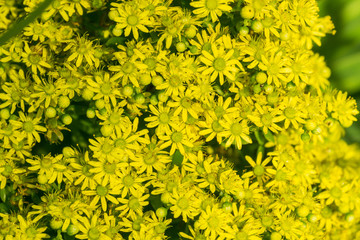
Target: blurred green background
[(342, 51)]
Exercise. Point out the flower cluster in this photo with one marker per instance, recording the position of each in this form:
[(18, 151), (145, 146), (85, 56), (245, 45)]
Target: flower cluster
[(152, 119)]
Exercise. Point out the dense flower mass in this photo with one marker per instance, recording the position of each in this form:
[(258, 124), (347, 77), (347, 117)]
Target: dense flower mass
[(161, 119)]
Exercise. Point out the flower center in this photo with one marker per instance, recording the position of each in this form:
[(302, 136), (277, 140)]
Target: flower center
[(128, 181), (176, 137), (266, 119), (85, 170), (211, 178), (82, 48), (259, 170), (164, 118), (31, 232), (172, 30), (132, 20), (241, 236), (300, 167), (7, 170), (273, 69), (28, 126), (290, 112), (8, 130), (280, 175), (114, 118), (213, 222), (211, 4), (151, 63), (34, 59), (46, 163), (49, 89), (335, 192), (267, 221), (120, 143), (219, 64), (216, 126), (160, 228), (72, 82), (68, 212), (18, 146), (38, 29), (200, 169), (236, 129), (15, 96), (185, 102), (94, 234), (150, 158), (101, 190), (183, 203), (106, 88), (174, 81), (106, 148), (110, 167), (134, 204), (219, 111), (128, 67), (326, 212)]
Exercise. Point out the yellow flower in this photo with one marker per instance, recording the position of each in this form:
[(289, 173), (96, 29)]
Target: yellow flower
[(106, 172), (293, 112), (131, 18), (130, 182), (69, 212), (104, 87), (134, 204), (127, 70), (176, 138), (10, 135), (219, 63), (214, 8), (260, 170), (235, 130), (114, 117), (79, 5), (183, 203), (82, 48), (30, 126), (45, 91), (184, 104), (8, 170), (93, 228), (45, 166), (104, 193), (266, 118), (344, 109), (171, 27), (174, 82), (29, 230), (215, 223), (162, 118), (104, 148), (37, 30), (275, 63), (16, 93), (151, 159), (36, 58), (82, 171)]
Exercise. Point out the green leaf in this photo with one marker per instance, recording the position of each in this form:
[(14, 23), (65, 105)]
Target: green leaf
[(350, 11), (3, 195), (269, 136), (19, 26), (177, 158)]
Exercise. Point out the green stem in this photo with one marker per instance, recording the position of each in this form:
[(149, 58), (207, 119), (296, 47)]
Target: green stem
[(18, 27)]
